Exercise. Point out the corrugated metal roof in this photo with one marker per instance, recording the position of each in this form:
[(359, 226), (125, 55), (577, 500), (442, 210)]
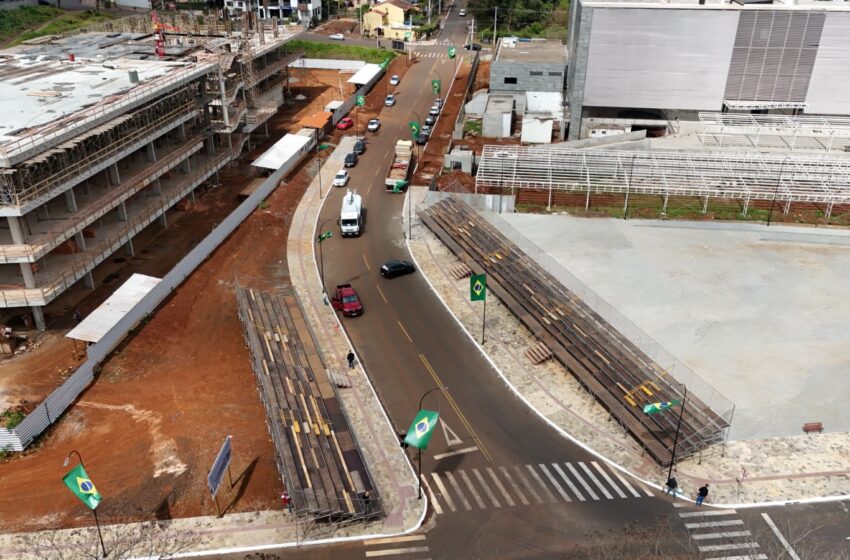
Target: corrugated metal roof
[(282, 150), (365, 74), (108, 313)]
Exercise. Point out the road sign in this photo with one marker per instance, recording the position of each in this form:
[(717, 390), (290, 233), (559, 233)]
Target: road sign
[(222, 461), (452, 52), (478, 287), (435, 85), (361, 100), (407, 35), (414, 128), (326, 235)]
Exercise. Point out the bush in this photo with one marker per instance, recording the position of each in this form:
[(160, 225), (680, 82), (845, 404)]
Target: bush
[(13, 418)]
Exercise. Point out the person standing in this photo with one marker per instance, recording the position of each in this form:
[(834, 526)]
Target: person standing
[(701, 494), (671, 486), (350, 359), (287, 501)]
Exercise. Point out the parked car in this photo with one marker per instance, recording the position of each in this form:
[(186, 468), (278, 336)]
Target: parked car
[(472, 47), (341, 178), (439, 102), (462, 13), (347, 301), (337, 37), (422, 138), (394, 80), (351, 160), (426, 129), (374, 125), (390, 100), (393, 268), (430, 121), (345, 123), (359, 147), (435, 110)]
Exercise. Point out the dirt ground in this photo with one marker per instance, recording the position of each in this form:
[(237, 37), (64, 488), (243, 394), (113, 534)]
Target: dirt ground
[(150, 425), (345, 26)]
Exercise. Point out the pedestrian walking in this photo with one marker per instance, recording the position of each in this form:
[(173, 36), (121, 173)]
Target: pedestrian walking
[(77, 317), (701, 494), (367, 502), (287, 501), (350, 359), (671, 486)]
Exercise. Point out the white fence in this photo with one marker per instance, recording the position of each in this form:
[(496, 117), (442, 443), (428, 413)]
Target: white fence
[(328, 64)]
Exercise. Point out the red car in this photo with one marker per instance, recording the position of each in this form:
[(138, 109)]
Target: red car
[(345, 124), (346, 300)]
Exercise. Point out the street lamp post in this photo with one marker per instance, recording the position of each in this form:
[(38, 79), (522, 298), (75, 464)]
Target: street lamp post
[(93, 510), (428, 392), (776, 190), (676, 437)]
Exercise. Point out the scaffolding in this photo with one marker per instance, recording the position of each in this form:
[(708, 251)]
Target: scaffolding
[(739, 176), (824, 131)]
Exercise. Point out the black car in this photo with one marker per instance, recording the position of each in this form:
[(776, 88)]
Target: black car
[(359, 147), (351, 160), (422, 139), (393, 268), (472, 47)]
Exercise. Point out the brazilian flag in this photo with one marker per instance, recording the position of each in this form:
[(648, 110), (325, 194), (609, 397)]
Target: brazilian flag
[(659, 406), (419, 433), (82, 486)]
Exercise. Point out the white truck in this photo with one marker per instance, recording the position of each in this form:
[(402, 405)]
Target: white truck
[(351, 215), (403, 156)]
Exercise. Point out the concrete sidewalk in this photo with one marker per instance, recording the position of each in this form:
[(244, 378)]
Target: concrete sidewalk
[(797, 468)]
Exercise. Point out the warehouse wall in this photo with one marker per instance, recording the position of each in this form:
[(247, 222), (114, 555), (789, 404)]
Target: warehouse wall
[(829, 89)]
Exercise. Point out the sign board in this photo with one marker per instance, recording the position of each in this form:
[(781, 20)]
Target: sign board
[(407, 35), (451, 52), (361, 100), (222, 461), (398, 45)]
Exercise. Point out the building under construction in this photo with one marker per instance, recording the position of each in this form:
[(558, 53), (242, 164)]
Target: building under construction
[(104, 131)]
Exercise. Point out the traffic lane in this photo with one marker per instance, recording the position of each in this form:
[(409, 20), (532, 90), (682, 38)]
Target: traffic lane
[(349, 40), (812, 530)]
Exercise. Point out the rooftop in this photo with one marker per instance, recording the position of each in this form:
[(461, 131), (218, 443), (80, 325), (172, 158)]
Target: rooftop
[(531, 50), (821, 5)]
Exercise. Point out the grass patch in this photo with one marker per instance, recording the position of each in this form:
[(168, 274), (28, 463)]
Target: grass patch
[(472, 126), (66, 22), (12, 418), (345, 52), (20, 19)]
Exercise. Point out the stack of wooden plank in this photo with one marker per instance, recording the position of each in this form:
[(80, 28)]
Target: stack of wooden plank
[(321, 466), (599, 356)]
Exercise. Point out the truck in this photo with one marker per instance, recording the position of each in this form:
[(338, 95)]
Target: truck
[(351, 215), (400, 168), (347, 301)]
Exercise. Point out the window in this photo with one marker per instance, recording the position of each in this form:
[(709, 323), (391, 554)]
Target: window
[(554, 73), (536, 73), (510, 80)]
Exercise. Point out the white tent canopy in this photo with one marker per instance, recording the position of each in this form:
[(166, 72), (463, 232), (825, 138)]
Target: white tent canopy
[(114, 308), (536, 131), (365, 74), (282, 151)]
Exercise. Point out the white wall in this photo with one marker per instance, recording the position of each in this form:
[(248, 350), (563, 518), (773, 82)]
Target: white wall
[(829, 88)]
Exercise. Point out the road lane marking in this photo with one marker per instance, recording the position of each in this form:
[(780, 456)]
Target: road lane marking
[(625, 482), (456, 486), (524, 481), (539, 480), (779, 536), (608, 479), (410, 340), (709, 513), (569, 482), (596, 481), (455, 407), (731, 546), (453, 453), (434, 501), (367, 262), (394, 551), (517, 491), (486, 488), (554, 482), (369, 190), (747, 557), (444, 492), (472, 490), (584, 484), (380, 291), (393, 540), (451, 436), (709, 524), (726, 535), (501, 488)]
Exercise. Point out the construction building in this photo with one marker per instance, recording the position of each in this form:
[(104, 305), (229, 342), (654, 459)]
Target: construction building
[(104, 131), (646, 64)]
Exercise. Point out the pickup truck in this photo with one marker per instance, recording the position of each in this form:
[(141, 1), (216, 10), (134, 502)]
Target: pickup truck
[(347, 301), (400, 166)]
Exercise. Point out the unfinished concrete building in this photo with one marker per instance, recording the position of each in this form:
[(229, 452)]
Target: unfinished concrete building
[(100, 137)]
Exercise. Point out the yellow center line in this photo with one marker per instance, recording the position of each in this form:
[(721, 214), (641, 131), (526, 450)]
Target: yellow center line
[(369, 190), (405, 332), (367, 262), (382, 293), (455, 406)]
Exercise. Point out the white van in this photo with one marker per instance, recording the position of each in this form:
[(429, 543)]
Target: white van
[(351, 215)]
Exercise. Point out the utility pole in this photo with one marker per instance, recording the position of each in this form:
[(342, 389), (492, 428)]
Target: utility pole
[(495, 23)]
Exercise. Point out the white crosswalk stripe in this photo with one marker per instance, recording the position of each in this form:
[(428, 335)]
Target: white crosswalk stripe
[(733, 541), (455, 485), (472, 490), (486, 488), (581, 481), (525, 482), (515, 488), (728, 546), (569, 482), (625, 482), (708, 524), (599, 485), (726, 535), (708, 513), (501, 488), (747, 557), (434, 503), (554, 483), (542, 484), (443, 491), (407, 546), (607, 478)]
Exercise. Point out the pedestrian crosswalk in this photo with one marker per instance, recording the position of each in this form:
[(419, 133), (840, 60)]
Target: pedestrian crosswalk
[(720, 535), (406, 547), (527, 485)]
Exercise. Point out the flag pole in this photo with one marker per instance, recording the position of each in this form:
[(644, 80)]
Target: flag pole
[(420, 473), (484, 319), (99, 534), (676, 438)]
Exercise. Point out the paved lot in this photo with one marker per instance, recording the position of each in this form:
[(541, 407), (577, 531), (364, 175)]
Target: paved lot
[(762, 314)]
